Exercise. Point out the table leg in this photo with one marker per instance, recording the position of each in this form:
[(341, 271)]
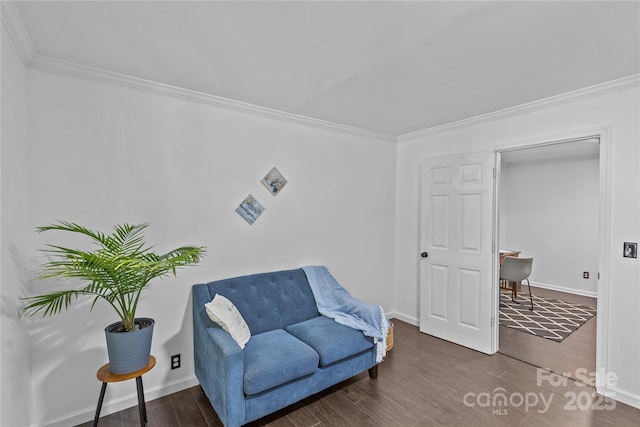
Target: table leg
[(99, 407), (141, 405)]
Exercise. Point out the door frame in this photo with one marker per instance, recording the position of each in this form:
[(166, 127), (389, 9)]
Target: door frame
[(604, 133)]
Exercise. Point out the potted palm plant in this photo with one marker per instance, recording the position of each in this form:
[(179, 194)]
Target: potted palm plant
[(116, 271)]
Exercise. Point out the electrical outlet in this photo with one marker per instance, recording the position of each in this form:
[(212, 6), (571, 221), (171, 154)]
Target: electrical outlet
[(175, 361), (585, 275)]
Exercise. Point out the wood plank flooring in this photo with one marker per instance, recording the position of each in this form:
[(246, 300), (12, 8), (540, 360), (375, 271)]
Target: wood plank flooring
[(577, 351), (424, 381)]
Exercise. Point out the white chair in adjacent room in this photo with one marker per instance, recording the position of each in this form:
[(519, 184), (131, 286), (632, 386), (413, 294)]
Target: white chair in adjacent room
[(514, 270)]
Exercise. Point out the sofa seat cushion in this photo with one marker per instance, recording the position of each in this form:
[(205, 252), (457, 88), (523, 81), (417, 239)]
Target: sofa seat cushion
[(275, 357), (331, 340)]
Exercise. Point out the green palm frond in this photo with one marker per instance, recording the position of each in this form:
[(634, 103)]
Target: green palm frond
[(117, 271)]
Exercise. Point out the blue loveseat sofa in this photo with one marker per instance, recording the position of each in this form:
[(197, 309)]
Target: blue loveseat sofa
[(293, 351)]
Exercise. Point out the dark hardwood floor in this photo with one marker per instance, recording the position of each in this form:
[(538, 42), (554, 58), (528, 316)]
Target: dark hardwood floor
[(576, 352), (424, 381)]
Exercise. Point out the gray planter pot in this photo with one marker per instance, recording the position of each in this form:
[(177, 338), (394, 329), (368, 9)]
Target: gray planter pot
[(129, 351)]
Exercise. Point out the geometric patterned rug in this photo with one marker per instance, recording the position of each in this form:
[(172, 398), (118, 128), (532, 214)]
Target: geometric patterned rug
[(551, 319)]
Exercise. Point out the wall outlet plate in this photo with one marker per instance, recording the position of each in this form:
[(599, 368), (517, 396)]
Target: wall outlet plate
[(175, 361), (630, 250)]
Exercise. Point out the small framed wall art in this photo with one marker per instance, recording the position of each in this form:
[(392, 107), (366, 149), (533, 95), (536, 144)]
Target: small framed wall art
[(274, 181), (250, 209)]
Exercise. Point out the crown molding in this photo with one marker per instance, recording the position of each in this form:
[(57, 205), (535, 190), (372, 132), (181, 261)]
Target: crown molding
[(54, 65), (601, 89), (12, 22), (15, 27), (59, 66)]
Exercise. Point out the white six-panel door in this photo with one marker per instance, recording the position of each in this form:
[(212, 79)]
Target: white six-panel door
[(456, 254)]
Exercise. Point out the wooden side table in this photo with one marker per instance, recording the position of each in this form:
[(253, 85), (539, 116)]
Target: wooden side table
[(105, 375)]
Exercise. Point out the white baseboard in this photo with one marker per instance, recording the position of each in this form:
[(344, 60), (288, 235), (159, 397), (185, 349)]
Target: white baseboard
[(416, 322), (620, 396), (119, 404), (563, 289), (408, 319)]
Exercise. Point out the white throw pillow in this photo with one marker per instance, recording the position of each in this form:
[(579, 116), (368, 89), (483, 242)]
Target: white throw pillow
[(224, 313)]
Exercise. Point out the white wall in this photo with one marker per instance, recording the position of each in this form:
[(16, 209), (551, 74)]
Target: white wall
[(550, 212), (15, 349), (102, 154), (618, 109)]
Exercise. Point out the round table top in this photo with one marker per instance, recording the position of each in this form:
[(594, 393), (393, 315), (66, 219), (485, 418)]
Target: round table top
[(105, 375)]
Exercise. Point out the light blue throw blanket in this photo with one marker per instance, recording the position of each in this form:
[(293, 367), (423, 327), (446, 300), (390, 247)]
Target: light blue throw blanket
[(335, 302)]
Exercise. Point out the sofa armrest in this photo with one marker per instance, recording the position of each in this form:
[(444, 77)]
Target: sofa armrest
[(220, 370), (219, 363)]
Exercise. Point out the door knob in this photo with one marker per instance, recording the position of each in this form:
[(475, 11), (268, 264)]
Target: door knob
[(424, 254)]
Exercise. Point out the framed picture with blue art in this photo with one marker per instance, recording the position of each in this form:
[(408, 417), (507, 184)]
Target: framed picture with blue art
[(250, 209), (274, 181)]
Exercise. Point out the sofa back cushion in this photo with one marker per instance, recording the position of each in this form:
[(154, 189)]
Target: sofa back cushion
[(269, 301)]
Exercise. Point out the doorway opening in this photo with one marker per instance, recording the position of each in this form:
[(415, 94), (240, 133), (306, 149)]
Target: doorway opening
[(549, 208)]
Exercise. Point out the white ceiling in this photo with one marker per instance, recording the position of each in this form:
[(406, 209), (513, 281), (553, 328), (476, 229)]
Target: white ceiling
[(390, 67)]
